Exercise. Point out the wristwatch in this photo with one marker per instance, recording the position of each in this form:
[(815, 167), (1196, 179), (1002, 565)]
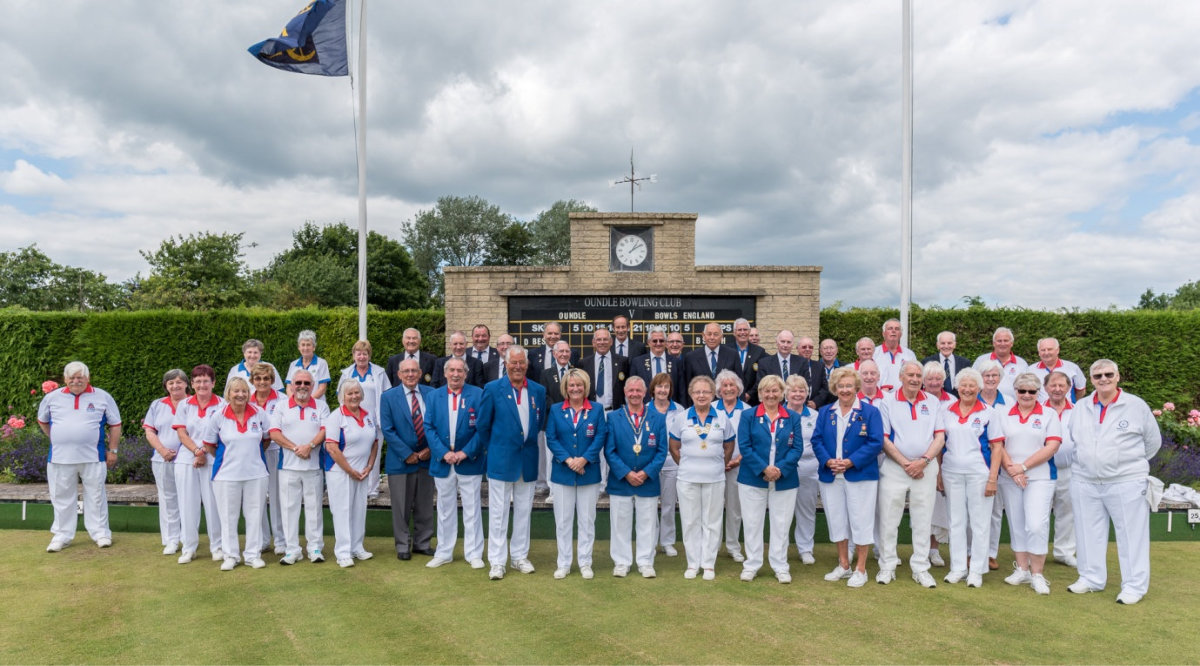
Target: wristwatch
[(927, 459), (1024, 468)]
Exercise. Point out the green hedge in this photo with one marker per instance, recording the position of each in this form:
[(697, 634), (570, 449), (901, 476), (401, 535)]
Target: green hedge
[(128, 352)]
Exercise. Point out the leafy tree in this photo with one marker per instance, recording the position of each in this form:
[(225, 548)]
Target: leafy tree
[(512, 246), (458, 231), (1186, 297), (29, 279), (197, 272), (551, 232)]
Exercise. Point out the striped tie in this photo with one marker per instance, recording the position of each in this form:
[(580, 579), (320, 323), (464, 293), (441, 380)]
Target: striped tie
[(418, 421)]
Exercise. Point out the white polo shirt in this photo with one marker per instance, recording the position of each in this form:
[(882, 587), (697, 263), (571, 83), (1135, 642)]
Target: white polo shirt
[(300, 424), (702, 445), (969, 438), (1008, 371), (160, 418), (889, 362), (240, 455), (78, 424), (354, 436), (1113, 443), (1078, 380), (911, 425), (1025, 436), (374, 383), (194, 417)]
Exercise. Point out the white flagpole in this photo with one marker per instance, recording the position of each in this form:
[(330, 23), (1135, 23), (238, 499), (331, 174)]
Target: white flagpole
[(906, 177), (361, 138)]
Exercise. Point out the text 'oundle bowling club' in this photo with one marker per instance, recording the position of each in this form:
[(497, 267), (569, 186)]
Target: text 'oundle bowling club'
[(632, 302)]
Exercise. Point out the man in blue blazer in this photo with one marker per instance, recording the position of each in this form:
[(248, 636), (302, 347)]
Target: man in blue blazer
[(457, 464), (402, 418), (636, 448), (511, 415)]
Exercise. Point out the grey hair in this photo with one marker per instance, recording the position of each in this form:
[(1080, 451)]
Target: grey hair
[(730, 375), (933, 368), (76, 368), (175, 373), (306, 334), (349, 383)]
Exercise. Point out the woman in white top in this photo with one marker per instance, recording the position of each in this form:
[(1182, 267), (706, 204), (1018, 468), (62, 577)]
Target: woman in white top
[(374, 382), (306, 343), (809, 489), (236, 437), (266, 398), (729, 392), (701, 441), (165, 442), (660, 391), (352, 444), (1031, 438), (970, 467), (193, 466)]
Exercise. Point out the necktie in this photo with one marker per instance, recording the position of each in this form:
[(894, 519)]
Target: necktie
[(600, 378), (418, 422), (621, 349), (712, 363), (949, 378), (657, 365), (454, 397), (561, 371), (785, 369)]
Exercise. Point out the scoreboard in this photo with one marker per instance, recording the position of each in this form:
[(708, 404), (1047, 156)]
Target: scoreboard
[(579, 316)]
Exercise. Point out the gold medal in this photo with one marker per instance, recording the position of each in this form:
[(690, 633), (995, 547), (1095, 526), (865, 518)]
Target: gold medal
[(637, 448)]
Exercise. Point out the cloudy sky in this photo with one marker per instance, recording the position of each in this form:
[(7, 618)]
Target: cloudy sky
[(1056, 158)]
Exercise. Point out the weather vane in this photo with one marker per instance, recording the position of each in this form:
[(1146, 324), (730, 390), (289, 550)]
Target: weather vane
[(633, 180)]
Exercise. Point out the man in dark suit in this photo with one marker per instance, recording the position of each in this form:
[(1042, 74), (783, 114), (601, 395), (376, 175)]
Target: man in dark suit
[(606, 370), (623, 345), (947, 342), (748, 356), (675, 346), (411, 339), (657, 360), (784, 363), (552, 377), (458, 349), (489, 359), (541, 358), (709, 360)]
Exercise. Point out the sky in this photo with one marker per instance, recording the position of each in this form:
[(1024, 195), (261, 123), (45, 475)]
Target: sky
[(1055, 152)]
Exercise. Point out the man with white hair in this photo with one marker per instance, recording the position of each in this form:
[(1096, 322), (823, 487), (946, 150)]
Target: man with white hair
[(1048, 350), (1011, 365), (951, 363), (889, 355), (76, 418), (864, 350)]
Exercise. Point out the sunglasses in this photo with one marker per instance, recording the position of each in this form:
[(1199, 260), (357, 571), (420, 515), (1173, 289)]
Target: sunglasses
[(1104, 375), (1027, 391), (302, 383)]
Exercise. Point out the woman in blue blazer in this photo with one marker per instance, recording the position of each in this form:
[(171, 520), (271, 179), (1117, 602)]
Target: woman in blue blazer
[(772, 442), (636, 449), (575, 434), (847, 442)]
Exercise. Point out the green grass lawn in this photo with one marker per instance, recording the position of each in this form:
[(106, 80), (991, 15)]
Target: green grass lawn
[(130, 604)]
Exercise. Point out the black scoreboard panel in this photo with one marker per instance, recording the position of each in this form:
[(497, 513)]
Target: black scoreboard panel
[(579, 316)]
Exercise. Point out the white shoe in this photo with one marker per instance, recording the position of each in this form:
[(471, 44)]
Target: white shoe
[(857, 579), (186, 557), (709, 574), (808, 558), (974, 580), (924, 579), (228, 564), (477, 563), (345, 562), (747, 575), (1128, 598), (647, 571), (1019, 576), (838, 573), (280, 550), (316, 556), (885, 576), (1068, 560), (290, 559), (690, 573), (437, 562), (620, 571), (363, 555), (670, 551), (496, 573), (56, 545), (256, 563), (955, 577), (737, 556), (103, 542), (171, 549), (783, 577), (1080, 587), (586, 572), (524, 566), (1039, 584), (218, 555), (935, 558)]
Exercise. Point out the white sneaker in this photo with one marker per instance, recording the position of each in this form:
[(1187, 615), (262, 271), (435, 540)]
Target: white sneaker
[(783, 577), (496, 573), (103, 542), (1039, 584), (280, 550), (218, 555), (316, 556), (524, 566), (808, 558), (1068, 560), (1080, 587), (690, 573), (974, 580), (363, 555), (955, 577), (477, 563), (437, 562), (1128, 598), (561, 573), (56, 545), (1019, 576), (256, 563), (935, 558), (289, 559), (747, 575), (924, 579), (186, 557), (228, 564), (885, 576), (737, 556), (586, 572), (345, 562), (710, 574), (838, 573), (670, 551), (171, 549), (647, 571), (857, 579), (620, 571)]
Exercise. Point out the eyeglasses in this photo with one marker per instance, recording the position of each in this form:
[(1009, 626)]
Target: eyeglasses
[(1027, 391), (302, 383), (1104, 375)]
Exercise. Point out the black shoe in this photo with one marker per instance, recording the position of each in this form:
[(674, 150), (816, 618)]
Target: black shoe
[(404, 555), (423, 551)]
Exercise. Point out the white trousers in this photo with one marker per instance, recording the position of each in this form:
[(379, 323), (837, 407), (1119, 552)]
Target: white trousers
[(733, 512), (1028, 512), (348, 508), (850, 510), (500, 495), (994, 534), (194, 486), (622, 510), (298, 487), (969, 512), (668, 499), (244, 498), (894, 486), (569, 502), (1064, 517), (168, 502), (449, 490), (64, 480), (374, 476), (700, 506), (940, 521), (545, 460), (272, 524), (1123, 503), (806, 513), (756, 503)]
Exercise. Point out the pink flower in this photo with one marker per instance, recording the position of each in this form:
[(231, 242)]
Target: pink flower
[(1195, 413), (32, 391), (1169, 406), (16, 423), (1158, 412), (49, 385)]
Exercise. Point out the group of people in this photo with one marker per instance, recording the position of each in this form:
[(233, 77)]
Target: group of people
[(727, 433)]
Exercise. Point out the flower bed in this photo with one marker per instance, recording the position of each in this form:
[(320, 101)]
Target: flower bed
[(1178, 461)]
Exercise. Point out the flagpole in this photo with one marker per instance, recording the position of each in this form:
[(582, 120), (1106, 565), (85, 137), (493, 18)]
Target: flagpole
[(361, 139), (906, 176)]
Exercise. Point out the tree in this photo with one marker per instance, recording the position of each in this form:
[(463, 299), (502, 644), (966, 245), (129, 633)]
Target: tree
[(551, 232), (458, 231), (197, 272), (29, 279), (512, 246), (1186, 297)]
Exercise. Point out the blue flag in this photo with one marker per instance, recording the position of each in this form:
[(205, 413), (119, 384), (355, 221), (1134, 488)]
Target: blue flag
[(314, 42)]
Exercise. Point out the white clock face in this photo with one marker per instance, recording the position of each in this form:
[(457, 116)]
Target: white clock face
[(631, 251)]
